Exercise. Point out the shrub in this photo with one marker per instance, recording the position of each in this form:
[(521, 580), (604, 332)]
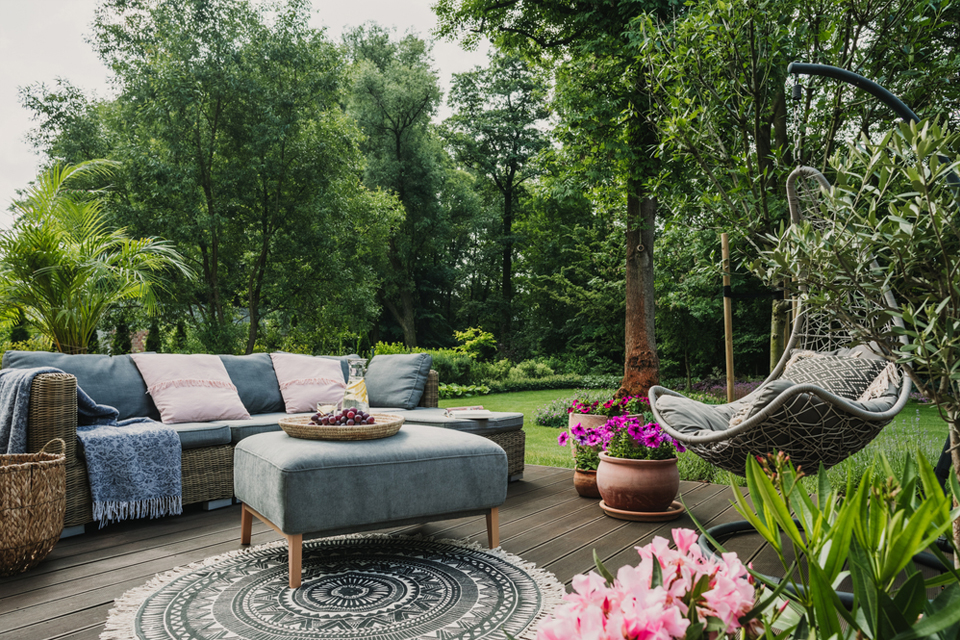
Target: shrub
[(493, 370), (476, 343), (601, 381), (448, 391), (554, 414), (529, 369), (452, 367), (568, 381)]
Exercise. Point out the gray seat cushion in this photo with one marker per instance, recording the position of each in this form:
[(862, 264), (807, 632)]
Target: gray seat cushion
[(194, 435), (500, 422), (109, 380), (397, 380), (690, 416), (419, 474), (260, 423)]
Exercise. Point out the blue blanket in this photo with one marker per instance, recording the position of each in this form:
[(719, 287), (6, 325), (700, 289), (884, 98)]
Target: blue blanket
[(133, 465)]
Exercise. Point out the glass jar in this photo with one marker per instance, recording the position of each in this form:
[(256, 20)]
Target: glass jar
[(355, 396)]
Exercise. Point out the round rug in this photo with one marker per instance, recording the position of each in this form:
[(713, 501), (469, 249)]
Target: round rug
[(374, 587)]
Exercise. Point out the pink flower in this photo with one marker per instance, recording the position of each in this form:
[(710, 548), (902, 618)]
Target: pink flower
[(562, 438), (685, 538)]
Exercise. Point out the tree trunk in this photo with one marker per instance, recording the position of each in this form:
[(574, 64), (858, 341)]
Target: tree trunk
[(641, 369), (778, 330), (405, 317), (506, 282)]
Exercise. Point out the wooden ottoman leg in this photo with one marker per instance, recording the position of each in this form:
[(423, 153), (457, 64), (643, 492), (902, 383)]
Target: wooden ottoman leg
[(493, 528), (295, 558), (246, 524)]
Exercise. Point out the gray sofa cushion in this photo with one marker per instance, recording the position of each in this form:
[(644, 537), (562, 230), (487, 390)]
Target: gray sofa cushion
[(397, 380), (194, 435), (260, 423), (109, 380), (500, 422), (317, 485), (757, 401), (256, 382), (840, 375)]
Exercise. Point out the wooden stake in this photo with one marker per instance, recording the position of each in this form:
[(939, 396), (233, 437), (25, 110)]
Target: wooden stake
[(727, 313)]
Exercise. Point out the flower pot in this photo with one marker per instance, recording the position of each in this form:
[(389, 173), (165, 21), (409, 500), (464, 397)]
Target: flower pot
[(588, 420), (585, 482), (638, 485)]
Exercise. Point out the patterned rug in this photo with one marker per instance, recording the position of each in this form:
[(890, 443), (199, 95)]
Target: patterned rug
[(370, 587)]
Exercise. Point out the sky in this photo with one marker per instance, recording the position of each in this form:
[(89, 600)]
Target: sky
[(41, 40)]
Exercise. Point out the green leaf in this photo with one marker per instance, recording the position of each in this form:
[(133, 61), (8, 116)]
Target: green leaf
[(602, 570)]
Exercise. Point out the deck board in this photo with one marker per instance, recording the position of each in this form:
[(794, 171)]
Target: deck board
[(67, 596)]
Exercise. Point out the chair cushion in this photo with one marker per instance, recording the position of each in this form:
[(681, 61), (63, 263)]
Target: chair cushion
[(194, 435), (690, 416), (256, 382), (190, 387), (111, 380), (306, 381), (757, 401), (840, 375), (397, 380)]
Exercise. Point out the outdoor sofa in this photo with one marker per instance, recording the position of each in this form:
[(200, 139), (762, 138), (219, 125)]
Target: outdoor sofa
[(207, 447)]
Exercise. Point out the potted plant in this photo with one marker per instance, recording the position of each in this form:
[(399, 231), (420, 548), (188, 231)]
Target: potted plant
[(587, 442), (637, 476), (595, 414)]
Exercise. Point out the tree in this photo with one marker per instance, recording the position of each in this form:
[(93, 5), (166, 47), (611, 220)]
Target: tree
[(496, 132), (64, 267), (892, 201), (718, 78), (395, 93), (233, 142), (606, 95)]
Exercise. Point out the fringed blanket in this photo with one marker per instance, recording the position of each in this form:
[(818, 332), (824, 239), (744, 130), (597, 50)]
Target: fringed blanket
[(133, 465)]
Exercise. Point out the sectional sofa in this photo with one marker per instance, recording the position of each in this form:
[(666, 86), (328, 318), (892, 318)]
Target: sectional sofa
[(403, 385)]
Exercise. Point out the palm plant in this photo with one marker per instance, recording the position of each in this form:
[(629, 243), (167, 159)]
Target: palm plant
[(63, 266)]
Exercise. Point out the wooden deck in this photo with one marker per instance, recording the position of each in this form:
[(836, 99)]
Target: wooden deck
[(543, 521)]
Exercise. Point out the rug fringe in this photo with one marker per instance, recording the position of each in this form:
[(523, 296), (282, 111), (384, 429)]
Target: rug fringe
[(122, 618)]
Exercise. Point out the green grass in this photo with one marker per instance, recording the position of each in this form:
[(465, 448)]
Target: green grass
[(917, 425)]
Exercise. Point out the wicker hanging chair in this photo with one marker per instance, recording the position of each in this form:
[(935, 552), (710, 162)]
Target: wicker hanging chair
[(807, 422)]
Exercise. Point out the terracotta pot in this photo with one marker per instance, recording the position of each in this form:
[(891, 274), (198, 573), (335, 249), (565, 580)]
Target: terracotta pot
[(588, 420), (638, 485), (585, 482)]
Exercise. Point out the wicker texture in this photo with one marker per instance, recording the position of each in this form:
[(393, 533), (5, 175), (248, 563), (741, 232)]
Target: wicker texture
[(805, 421), (431, 392), (32, 504), (207, 473), (385, 426), (514, 443)]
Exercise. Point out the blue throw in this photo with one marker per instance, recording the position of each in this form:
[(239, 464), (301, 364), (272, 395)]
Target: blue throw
[(133, 465)]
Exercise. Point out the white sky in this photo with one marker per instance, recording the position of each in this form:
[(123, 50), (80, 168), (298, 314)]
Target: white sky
[(41, 40)]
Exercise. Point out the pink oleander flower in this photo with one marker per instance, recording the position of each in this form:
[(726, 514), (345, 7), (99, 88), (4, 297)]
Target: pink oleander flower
[(635, 608)]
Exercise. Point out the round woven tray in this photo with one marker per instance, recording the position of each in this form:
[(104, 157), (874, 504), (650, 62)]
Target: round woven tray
[(386, 425)]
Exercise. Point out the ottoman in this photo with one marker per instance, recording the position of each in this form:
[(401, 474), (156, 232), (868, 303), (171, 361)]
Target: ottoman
[(421, 474)]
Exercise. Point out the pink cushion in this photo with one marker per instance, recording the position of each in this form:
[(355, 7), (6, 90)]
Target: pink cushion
[(190, 388), (306, 381)]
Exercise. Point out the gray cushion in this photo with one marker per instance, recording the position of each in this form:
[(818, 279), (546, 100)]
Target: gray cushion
[(758, 400), (500, 422), (256, 382), (397, 380), (690, 416), (194, 435), (260, 423), (109, 380), (840, 375), (421, 473)]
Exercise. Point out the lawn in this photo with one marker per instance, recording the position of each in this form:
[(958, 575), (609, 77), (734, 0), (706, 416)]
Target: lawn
[(917, 425)]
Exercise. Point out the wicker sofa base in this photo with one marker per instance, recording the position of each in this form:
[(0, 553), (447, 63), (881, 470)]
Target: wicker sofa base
[(514, 443), (207, 474)]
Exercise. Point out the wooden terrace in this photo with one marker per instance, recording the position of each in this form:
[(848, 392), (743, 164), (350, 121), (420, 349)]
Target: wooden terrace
[(543, 520)]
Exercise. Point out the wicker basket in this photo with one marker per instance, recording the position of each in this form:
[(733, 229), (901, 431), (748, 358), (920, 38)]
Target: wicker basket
[(32, 506), (386, 425)]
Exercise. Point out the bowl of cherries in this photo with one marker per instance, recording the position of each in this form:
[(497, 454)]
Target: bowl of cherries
[(345, 424)]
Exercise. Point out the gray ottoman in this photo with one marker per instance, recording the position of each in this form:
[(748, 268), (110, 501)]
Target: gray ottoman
[(318, 486)]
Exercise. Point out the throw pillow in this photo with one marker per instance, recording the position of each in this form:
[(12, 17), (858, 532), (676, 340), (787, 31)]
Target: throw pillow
[(190, 387), (840, 375), (306, 381), (397, 380), (689, 416)]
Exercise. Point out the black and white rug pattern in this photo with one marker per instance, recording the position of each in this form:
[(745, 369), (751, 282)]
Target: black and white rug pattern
[(370, 587)]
